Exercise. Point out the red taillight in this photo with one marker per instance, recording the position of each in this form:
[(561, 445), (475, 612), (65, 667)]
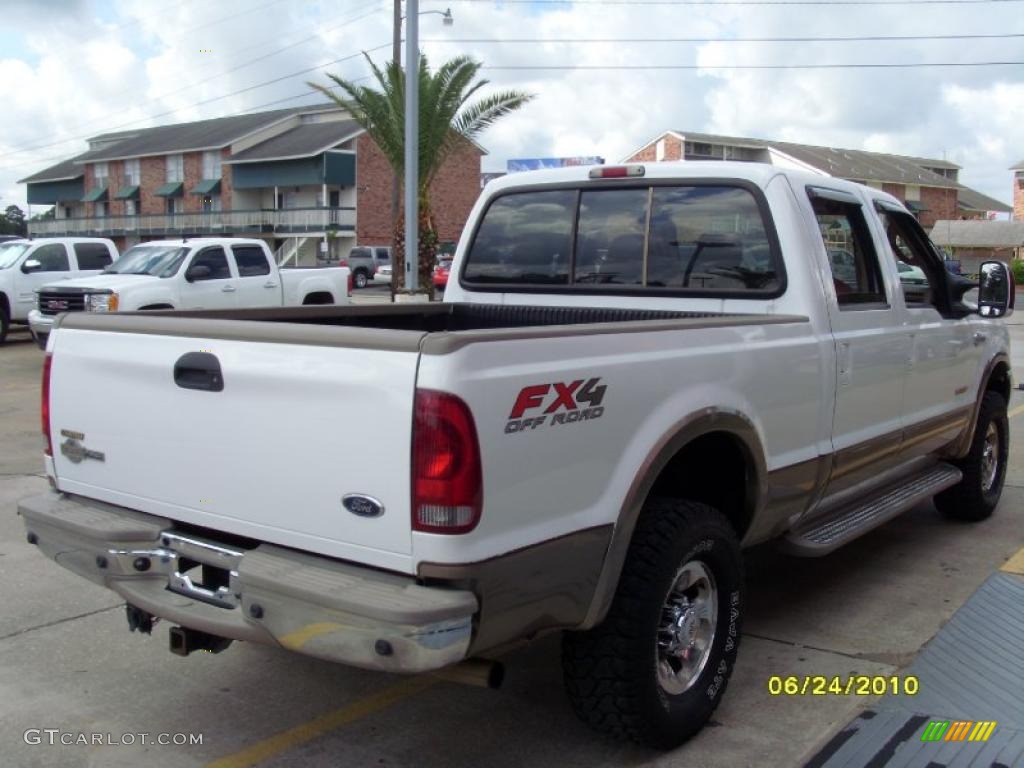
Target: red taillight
[(447, 483), (45, 409), (616, 171), (351, 283), (343, 263)]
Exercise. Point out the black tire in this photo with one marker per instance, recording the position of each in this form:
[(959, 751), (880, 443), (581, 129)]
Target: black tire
[(5, 323), (975, 497), (360, 278), (611, 671)]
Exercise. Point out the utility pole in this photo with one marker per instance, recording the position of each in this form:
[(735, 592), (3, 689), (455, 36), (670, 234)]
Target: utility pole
[(396, 57), (412, 148)]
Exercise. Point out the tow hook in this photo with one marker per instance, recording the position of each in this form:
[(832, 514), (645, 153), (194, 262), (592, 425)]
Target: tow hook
[(140, 620), (185, 640)]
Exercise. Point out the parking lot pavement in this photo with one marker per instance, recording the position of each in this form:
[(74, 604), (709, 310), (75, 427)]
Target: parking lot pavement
[(68, 662)]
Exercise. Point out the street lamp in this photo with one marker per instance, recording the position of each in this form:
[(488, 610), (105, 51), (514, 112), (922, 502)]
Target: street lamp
[(412, 148)]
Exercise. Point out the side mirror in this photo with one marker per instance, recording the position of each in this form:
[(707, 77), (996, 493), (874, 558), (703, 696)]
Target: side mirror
[(995, 290), (32, 265), (198, 272)]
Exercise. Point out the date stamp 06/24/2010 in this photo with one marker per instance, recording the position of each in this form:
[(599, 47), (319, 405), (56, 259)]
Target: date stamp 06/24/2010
[(837, 685)]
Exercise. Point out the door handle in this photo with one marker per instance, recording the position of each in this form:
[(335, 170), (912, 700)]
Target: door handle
[(270, 285), (228, 289), (980, 338), (199, 370)]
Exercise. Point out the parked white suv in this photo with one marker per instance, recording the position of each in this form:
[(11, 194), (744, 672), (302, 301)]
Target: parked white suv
[(26, 265)]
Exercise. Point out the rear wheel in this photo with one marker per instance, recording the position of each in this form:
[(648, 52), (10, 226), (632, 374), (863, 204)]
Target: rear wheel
[(658, 665), (360, 278), (984, 467)]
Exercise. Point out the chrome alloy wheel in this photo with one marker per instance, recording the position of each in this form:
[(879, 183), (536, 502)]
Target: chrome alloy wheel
[(990, 458), (687, 631)]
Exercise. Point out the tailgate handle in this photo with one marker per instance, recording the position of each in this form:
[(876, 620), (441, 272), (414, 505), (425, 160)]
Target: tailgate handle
[(198, 370)]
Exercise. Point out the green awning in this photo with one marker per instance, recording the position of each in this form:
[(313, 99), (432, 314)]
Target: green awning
[(207, 187), (96, 194), (130, 192), (914, 206), (171, 189)]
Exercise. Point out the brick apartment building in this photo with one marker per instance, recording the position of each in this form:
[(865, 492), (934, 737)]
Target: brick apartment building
[(1018, 191), (929, 188), (293, 177)]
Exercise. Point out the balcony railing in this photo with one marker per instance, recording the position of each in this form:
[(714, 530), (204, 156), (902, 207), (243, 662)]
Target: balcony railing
[(285, 221)]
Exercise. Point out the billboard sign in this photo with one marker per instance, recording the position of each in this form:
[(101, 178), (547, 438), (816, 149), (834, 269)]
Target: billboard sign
[(538, 163)]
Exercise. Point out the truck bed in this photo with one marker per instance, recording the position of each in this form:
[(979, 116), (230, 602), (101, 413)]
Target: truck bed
[(405, 327)]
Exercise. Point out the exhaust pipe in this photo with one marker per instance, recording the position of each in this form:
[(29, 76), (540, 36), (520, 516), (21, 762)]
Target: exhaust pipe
[(185, 640), (483, 673)]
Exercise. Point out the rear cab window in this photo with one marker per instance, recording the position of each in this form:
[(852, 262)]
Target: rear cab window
[(250, 260), (710, 238), (92, 256)]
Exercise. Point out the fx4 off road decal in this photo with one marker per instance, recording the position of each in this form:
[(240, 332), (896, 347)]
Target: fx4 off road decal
[(556, 403)]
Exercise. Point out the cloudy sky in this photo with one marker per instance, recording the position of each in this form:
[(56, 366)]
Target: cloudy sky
[(70, 69)]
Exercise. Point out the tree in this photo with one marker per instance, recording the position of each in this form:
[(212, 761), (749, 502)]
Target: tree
[(13, 221), (446, 120)]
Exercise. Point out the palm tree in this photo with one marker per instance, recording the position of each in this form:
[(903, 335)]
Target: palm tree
[(446, 121)]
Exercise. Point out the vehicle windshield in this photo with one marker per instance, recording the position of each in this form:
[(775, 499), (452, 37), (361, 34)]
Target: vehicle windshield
[(11, 252), (155, 260)]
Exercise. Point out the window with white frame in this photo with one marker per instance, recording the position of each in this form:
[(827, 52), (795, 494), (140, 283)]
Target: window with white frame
[(913, 192), (101, 173), (175, 168), (100, 209), (131, 172), (172, 205), (211, 164), (130, 208)]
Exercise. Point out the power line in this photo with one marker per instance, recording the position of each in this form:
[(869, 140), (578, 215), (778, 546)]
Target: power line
[(224, 96), (885, 65), (376, 4), (715, 3), (842, 39)]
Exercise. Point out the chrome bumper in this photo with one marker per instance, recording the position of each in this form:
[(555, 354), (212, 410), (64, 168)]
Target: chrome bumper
[(40, 325), (270, 595)]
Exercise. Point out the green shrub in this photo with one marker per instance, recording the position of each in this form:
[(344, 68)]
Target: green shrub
[(1018, 271)]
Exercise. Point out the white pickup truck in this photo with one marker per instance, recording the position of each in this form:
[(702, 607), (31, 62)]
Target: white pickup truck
[(26, 265), (203, 273), (637, 372)]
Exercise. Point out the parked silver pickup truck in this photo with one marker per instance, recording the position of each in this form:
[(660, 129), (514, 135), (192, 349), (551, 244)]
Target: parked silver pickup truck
[(637, 372)]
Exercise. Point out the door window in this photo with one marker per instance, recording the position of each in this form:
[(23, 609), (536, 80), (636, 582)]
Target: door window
[(911, 260), (216, 260), (251, 261), (851, 255), (53, 257)]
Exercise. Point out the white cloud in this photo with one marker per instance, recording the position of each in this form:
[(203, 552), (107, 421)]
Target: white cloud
[(92, 67)]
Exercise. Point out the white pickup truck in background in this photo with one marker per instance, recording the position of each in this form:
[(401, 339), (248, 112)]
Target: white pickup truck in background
[(202, 273), (637, 372), (26, 265)]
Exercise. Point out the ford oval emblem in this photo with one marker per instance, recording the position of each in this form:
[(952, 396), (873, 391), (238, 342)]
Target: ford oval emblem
[(362, 505)]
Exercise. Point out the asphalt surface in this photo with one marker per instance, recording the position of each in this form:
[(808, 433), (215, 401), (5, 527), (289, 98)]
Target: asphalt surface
[(68, 662)]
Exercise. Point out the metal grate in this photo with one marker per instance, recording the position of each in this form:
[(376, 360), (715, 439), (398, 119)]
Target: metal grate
[(55, 302)]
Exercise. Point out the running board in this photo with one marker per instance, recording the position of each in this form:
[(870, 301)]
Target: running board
[(824, 534)]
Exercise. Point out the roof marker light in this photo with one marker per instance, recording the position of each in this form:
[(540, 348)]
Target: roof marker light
[(616, 171)]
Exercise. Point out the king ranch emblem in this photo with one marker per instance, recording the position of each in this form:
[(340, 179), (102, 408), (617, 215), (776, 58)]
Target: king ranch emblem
[(556, 403)]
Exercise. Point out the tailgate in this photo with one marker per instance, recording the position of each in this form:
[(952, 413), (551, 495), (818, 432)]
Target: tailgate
[(270, 456)]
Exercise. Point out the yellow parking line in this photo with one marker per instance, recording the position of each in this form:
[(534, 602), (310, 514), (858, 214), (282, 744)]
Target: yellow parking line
[(1015, 411), (301, 734), (1015, 564)]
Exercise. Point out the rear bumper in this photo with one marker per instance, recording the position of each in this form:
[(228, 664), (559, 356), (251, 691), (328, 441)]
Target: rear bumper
[(270, 595)]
